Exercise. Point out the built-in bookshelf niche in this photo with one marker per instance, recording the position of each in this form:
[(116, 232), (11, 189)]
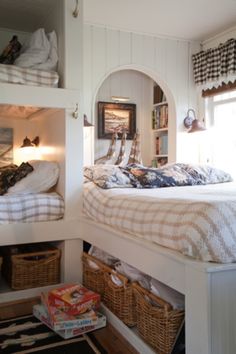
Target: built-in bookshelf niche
[(159, 127)]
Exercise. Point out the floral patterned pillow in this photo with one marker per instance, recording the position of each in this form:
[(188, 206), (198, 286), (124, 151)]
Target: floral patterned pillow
[(145, 177), (205, 174), (107, 176)]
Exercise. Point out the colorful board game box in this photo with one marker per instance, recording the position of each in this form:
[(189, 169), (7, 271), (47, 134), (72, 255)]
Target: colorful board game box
[(61, 320), (74, 299), (41, 314)]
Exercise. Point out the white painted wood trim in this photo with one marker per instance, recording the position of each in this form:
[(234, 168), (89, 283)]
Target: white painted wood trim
[(38, 96), (20, 233), (129, 334)]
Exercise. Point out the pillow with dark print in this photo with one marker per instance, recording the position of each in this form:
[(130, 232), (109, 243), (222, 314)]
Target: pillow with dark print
[(11, 174), (147, 177)]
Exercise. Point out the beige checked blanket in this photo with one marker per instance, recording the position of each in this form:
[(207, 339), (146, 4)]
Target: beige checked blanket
[(31, 208), (198, 221), (17, 75)]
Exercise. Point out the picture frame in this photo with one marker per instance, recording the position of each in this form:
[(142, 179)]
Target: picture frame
[(6, 146), (116, 117)]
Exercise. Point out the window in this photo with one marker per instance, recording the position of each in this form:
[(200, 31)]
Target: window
[(221, 118)]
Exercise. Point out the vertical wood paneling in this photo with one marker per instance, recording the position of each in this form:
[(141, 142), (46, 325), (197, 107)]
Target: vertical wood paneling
[(125, 54), (113, 49), (98, 57), (137, 48), (160, 57), (166, 59), (88, 77), (171, 70), (148, 52), (73, 32)]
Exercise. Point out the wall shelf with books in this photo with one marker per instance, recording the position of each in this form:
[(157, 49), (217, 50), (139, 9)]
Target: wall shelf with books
[(159, 127)]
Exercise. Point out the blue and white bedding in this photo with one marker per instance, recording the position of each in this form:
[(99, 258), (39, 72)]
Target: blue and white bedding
[(138, 176)]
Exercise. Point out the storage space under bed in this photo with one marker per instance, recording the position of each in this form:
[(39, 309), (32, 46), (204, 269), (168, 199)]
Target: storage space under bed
[(31, 265)]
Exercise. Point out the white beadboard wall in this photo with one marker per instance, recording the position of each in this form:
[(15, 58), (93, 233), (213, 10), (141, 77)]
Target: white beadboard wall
[(166, 61), (139, 88)]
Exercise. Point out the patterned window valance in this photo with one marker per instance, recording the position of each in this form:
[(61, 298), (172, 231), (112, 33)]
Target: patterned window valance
[(216, 65)]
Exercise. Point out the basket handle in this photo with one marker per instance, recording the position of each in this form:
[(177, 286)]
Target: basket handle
[(97, 261), (162, 303), (45, 260), (122, 278)]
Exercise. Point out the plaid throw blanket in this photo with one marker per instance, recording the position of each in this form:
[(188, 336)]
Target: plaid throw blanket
[(26, 76)]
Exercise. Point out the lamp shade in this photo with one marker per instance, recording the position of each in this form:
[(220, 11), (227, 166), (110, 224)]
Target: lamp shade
[(26, 143), (196, 126), (192, 123)]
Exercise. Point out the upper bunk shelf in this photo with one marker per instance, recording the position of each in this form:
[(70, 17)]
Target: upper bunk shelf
[(24, 18), (47, 97)]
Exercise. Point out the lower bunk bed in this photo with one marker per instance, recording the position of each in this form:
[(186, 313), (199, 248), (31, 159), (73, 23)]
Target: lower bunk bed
[(209, 288), (207, 281)]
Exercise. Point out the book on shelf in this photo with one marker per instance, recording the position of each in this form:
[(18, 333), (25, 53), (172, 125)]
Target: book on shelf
[(40, 312), (163, 144), (160, 117), (164, 116), (157, 145)]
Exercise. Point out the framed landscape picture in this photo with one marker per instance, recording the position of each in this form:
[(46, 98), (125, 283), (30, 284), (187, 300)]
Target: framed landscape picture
[(116, 117)]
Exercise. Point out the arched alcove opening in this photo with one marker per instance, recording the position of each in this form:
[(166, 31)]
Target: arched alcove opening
[(136, 83)]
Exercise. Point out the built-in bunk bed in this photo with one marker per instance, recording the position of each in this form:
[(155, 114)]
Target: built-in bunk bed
[(183, 235), (36, 101)]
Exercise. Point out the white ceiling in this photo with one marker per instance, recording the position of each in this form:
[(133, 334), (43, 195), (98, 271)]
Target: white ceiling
[(183, 19)]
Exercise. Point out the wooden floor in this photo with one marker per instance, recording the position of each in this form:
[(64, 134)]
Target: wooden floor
[(108, 337)]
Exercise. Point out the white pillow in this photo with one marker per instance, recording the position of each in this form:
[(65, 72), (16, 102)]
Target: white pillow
[(41, 179), (51, 63), (35, 51)]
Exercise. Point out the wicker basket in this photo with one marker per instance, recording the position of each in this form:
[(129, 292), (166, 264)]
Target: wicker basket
[(158, 325), (24, 270), (94, 278), (120, 299)]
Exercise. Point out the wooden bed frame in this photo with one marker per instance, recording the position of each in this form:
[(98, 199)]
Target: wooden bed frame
[(209, 288)]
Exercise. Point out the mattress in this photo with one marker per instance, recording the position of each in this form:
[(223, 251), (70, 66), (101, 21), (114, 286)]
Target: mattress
[(31, 208), (17, 75), (198, 221)]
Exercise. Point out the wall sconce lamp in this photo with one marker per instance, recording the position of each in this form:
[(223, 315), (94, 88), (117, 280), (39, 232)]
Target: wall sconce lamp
[(30, 143), (120, 98), (192, 123)]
